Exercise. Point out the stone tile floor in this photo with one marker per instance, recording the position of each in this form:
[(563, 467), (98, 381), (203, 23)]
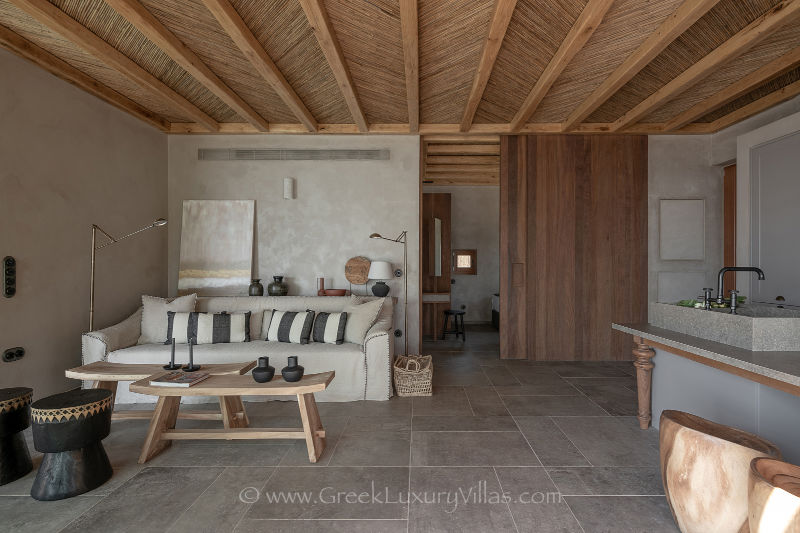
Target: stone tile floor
[(500, 446)]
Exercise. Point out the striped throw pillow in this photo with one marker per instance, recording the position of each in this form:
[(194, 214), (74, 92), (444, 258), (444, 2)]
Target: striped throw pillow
[(329, 328), (208, 328), (289, 326)]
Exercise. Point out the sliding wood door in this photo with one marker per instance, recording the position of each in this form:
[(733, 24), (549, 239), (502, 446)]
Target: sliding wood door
[(573, 244)]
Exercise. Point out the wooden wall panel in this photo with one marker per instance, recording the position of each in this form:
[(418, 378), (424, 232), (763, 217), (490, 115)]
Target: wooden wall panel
[(729, 224), (574, 213), (435, 205)]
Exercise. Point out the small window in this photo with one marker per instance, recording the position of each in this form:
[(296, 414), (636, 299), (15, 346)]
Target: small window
[(465, 262)]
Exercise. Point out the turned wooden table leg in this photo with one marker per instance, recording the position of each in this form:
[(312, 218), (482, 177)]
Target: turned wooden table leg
[(643, 354)]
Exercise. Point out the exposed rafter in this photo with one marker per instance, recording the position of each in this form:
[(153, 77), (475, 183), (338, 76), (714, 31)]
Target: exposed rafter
[(409, 27), (318, 19), (687, 14), (68, 73), (588, 21), (754, 32), (244, 39), (776, 67), (153, 29), (503, 10), (60, 22), (753, 108)]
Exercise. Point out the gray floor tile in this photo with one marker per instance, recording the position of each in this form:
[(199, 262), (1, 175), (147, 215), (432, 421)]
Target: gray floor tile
[(136, 506), (471, 449), (23, 514), (464, 423), (334, 493), (457, 499), (610, 441), (552, 406), (221, 506), (584, 370), (535, 503), (444, 402), (390, 448), (249, 525), (550, 443), (610, 394), (297, 455), (221, 453), (557, 387), (460, 376), (396, 406), (485, 401), (608, 481), (499, 375), (621, 514)]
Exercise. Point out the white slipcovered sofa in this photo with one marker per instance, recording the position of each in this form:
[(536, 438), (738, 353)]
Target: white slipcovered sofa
[(362, 372)]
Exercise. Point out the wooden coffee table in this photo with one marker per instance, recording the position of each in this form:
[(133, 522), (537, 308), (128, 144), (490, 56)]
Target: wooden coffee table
[(230, 389), (105, 375)]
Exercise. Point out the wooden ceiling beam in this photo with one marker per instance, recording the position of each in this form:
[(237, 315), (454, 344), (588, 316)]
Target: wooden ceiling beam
[(588, 21), (503, 10), (776, 67), (318, 19), (244, 39), (44, 59), (409, 28), (746, 38), (753, 108), (681, 20), (139, 17), (61, 23)]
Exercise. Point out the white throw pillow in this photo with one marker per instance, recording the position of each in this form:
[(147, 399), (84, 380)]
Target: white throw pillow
[(361, 317), (154, 316)]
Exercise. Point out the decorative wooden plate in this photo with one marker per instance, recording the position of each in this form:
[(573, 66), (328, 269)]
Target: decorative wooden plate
[(356, 270)]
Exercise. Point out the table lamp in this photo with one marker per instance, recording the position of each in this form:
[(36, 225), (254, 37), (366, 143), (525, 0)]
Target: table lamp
[(380, 271)]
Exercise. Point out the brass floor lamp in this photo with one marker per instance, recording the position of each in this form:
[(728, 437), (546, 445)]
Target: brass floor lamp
[(402, 239), (112, 240)]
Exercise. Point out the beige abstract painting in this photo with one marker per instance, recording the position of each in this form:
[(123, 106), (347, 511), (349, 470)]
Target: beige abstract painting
[(216, 247)]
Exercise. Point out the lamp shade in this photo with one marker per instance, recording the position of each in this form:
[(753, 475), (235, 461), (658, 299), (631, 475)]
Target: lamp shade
[(380, 270)]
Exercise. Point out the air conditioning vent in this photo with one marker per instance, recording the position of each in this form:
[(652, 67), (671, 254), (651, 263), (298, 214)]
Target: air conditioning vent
[(279, 154)]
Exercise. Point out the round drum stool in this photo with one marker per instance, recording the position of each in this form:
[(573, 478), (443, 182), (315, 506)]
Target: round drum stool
[(705, 468), (15, 417), (774, 492), (68, 428)]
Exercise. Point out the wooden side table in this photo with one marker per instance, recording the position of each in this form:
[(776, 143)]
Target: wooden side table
[(15, 417)]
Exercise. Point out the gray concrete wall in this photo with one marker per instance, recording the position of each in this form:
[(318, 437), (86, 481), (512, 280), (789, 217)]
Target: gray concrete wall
[(680, 167), (338, 205), (475, 224), (68, 160)]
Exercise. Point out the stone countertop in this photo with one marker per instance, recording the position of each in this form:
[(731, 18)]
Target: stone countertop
[(779, 365)]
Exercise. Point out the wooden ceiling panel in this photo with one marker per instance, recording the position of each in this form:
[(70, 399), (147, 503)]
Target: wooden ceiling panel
[(369, 34), (626, 25), (31, 29), (767, 88), (283, 30), (107, 24), (713, 29), (774, 46), (535, 32), (451, 37), (196, 27)]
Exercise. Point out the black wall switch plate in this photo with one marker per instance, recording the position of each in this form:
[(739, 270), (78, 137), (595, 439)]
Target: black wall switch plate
[(13, 354), (9, 276)]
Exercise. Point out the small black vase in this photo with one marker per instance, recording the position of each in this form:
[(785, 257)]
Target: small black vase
[(263, 372), (380, 289), (256, 288), (293, 372), (278, 287)]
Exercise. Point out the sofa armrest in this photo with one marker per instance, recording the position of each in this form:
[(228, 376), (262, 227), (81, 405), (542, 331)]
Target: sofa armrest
[(96, 345), (379, 353)]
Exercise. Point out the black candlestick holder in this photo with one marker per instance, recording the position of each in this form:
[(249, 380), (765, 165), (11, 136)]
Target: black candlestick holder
[(172, 365), (191, 367)]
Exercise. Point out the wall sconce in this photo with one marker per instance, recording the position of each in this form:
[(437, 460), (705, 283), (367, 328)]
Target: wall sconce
[(288, 188)]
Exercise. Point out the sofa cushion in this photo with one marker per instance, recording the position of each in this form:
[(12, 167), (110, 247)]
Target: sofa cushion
[(329, 328), (208, 328), (154, 316), (361, 317), (290, 326)]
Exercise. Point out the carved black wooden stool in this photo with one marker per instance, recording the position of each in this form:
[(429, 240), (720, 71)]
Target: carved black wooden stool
[(15, 417), (68, 428)]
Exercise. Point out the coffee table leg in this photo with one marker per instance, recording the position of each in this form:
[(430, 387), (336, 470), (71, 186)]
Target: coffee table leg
[(230, 406), (238, 406), (164, 418), (312, 426)]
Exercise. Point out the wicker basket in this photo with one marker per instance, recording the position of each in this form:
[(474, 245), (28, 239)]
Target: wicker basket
[(413, 375)]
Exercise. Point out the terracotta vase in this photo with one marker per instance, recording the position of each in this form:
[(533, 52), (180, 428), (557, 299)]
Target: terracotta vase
[(705, 468), (774, 493)]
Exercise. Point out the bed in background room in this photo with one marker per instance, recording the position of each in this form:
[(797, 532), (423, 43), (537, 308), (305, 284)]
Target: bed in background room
[(496, 311)]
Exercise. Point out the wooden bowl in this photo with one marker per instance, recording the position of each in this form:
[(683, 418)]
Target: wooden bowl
[(774, 492), (705, 468), (335, 292)]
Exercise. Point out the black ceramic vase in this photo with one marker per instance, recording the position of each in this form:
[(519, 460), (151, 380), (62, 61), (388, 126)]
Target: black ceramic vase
[(263, 372), (278, 287), (293, 372), (256, 288), (380, 289)]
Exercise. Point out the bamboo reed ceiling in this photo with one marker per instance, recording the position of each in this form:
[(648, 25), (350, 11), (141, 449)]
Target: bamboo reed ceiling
[(346, 66)]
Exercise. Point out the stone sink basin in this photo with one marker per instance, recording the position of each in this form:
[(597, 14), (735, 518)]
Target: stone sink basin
[(756, 327)]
